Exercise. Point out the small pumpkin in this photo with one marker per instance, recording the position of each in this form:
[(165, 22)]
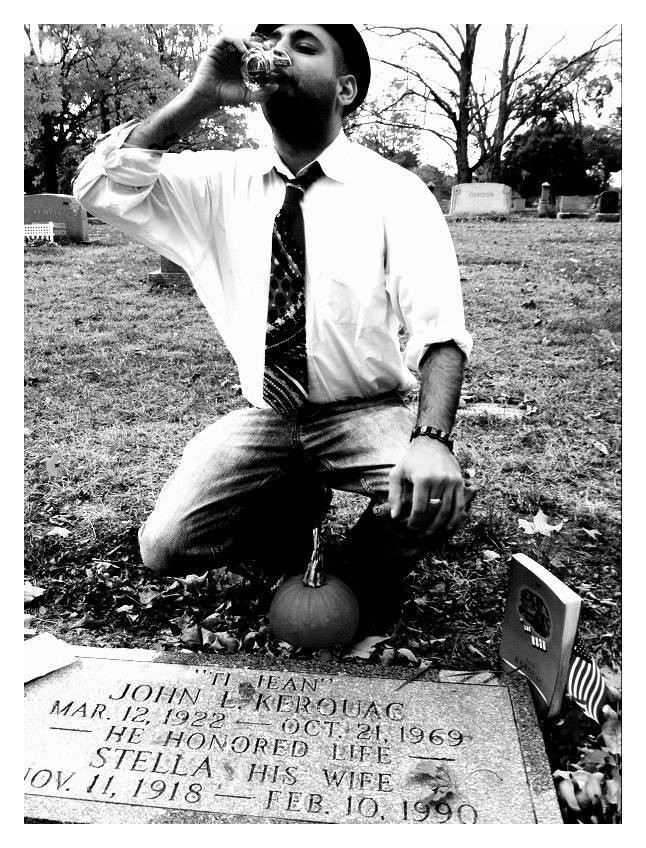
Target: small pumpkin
[(314, 611)]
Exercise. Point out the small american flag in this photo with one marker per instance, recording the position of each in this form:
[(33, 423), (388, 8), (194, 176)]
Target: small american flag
[(585, 684)]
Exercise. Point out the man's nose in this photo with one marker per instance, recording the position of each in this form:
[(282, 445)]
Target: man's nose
[(279, 41)]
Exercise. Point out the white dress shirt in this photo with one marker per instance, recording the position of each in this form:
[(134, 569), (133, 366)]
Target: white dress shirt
[(379, 254)]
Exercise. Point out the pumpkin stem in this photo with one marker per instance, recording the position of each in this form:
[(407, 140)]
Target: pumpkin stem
[(314, 573)]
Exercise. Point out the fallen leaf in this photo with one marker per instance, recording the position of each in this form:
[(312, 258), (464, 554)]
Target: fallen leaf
[(208, 637), (590, 791), (388, 657), (613, 789), (191, 636), (490, 556), (612, 677), (192, 581), (228, 642), (148, 595), (601, 448), (439, 782), (592, 757), (565, 789), (365, 647), (539, 524), (408, 655), (249, 641), (475, 652), (28, 620), (32, 592), (593, 534), (89, 622), (63, 532), (53, 466), (212, 621), (611, 732)]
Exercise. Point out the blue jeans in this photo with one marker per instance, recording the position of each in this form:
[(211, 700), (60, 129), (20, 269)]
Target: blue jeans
[(252, 485)]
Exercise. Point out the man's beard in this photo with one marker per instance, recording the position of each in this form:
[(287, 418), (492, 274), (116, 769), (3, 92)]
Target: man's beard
[(300, 116)]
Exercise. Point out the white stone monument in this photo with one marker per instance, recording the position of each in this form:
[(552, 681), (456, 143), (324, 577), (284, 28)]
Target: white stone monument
[(480, 199)]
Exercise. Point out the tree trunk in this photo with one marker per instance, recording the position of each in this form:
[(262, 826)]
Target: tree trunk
[(462, 161), (494, 165), (50, 156), (464, 104)]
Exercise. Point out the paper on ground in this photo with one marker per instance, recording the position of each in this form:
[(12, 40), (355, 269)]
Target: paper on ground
[(45, 653)]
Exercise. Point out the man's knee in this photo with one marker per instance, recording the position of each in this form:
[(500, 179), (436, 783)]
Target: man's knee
[(162, 550)]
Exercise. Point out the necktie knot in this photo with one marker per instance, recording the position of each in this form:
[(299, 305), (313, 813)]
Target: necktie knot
[(296, 187)]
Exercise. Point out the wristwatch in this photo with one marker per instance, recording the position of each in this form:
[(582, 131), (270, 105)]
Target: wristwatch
[(433, 433)]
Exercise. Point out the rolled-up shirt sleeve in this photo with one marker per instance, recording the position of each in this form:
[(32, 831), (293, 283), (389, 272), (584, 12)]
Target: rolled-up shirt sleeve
[(151, 195), (423, 278)]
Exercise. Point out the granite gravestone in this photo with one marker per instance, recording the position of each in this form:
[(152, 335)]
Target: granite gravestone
[(608, 206), (126, 736), (480, 199), (546, 208), (169, 274), (61, 209), (574, 206)]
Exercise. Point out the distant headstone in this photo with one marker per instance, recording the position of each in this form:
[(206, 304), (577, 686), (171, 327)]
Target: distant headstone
[(574, 206), (60, 209), (480, 199), (545, 207), (607, 208), (169, 274), (517, 203), (117, 738)]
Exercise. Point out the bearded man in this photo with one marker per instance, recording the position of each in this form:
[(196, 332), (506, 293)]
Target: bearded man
[(309, 257)]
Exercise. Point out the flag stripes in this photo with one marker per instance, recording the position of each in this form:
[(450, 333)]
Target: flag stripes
[(585, 683)]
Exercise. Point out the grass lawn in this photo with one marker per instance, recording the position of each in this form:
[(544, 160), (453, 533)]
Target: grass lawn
[(119, 376)]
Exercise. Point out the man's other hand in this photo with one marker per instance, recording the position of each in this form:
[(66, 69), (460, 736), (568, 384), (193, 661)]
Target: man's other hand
[(428, 470)]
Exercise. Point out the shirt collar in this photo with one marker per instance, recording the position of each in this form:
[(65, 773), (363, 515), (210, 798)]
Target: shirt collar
[(334, 160)]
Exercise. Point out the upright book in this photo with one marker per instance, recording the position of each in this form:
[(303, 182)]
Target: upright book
[(539, 628)]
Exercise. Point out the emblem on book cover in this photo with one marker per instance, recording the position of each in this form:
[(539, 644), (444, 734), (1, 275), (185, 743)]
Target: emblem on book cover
[(535, 618)]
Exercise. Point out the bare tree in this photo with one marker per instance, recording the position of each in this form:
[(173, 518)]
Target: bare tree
[(483, 117)]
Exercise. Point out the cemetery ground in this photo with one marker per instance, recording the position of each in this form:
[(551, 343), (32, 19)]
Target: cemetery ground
[(119, 375)]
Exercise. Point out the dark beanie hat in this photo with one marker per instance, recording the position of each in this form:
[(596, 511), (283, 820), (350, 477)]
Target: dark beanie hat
[(354, 52)]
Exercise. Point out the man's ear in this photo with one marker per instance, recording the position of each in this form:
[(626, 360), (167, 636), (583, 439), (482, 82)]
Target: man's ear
[(347, 89)]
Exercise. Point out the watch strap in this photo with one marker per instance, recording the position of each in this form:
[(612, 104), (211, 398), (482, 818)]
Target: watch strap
[(433, 433)]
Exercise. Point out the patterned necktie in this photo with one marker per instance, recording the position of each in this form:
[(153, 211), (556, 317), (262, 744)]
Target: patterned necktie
[(285, 381)]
